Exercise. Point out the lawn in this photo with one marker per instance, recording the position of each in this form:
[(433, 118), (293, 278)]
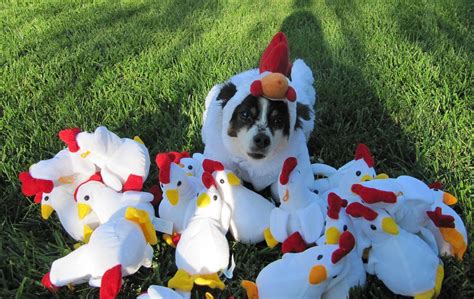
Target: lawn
[(396, 75)]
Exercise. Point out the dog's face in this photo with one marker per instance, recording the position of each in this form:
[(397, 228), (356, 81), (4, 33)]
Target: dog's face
[(259, 126)]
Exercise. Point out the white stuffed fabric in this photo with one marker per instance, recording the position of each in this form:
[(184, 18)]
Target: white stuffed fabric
[(250, 211), (301, 211), (307, 274), (219, 146), (117, 248), (124, 163), (160, 292), (403, 261), (179, 190)]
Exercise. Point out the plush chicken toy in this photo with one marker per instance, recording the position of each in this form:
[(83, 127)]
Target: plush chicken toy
[(203, 251), (60, 198), (338, 222), (160, 292), (250, 211), (124, 163), (403, 261), (180, 188), (192, 165), (358, 170), (299, 220), (307, 274), (117, 248), (94, 196)]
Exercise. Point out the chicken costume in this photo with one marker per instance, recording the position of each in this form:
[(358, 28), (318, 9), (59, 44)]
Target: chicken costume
[(250, 211), (203, 251), (269, 80), (124, 163), (299, 220), (403, 261), (117, 248), (307, 274)]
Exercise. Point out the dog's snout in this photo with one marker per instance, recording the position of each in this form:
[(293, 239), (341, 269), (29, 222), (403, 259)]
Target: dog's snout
[(261, 140)]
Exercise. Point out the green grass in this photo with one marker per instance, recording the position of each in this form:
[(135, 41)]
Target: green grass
[(396, 75)]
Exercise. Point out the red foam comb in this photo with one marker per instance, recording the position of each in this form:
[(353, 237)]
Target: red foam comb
[(372, 195), (346, 244), (439, 219), (436, 185), (275, 58), (335, 204), (363, 152), (211, 165), (68, 136), (208, 180), (31, 186), (163, 161), (177, 156), (358, 210), (288, 166)]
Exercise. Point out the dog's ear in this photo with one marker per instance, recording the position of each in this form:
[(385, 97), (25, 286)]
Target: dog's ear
[(226, 93)]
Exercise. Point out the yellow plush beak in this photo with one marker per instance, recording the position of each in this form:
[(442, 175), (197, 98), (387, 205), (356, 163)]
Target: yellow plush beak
[(173, 196), (332, 235), (389, 226), (86, 232), (365, 178), (233, 179), (381, 176), (449, 199), (46, 211), (83, 210), (203, 200), (317, 274)]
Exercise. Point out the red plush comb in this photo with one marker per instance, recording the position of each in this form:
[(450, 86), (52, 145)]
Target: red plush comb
[(211, 165), (177, 156), (436, 185), (335, 204), (358, 210), (372, 195), (68, 136), (96, 177), (346, 244), (439, 219), (363, 152), (208, 180), (163, 161), (31, 186), (288, 166), (275, 59)]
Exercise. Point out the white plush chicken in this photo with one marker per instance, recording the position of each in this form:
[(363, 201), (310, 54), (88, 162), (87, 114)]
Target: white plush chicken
[(124, 163), (93, 195), (160, 292), (403, 261), (307, 274), (337, 222), (250, 211), (192, 165), (60, 198), (202, 251), (358, 170), (179, 191), (299, 220), (117, 248)]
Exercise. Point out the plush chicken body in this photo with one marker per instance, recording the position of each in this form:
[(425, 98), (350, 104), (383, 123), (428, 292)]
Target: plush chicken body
[(180, 190), (250, 211), (203, 251), (124, 163), (160, 292), (301, 211), (403, 261), (307, 274), (119, 247)]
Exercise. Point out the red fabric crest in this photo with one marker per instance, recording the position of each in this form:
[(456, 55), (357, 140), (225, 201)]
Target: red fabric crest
[(358, 210), (275, 58), (163, 161), (439, 219), (211, 165), (372, 195), (436, 185), (346, 244), (208, 180), (68, 136), (363, 152), (31, 186), (335, 204)]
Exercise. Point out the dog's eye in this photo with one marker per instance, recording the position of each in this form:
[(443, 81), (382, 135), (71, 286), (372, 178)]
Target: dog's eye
[(244, 115), (278, 121)]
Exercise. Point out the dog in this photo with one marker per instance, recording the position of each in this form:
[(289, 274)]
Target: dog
[(260, 117)]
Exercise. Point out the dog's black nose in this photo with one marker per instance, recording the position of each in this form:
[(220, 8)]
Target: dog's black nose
[(261, 140)]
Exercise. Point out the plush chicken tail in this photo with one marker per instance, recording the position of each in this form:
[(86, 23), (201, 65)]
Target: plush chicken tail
[(111, 283), (251, 289)]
